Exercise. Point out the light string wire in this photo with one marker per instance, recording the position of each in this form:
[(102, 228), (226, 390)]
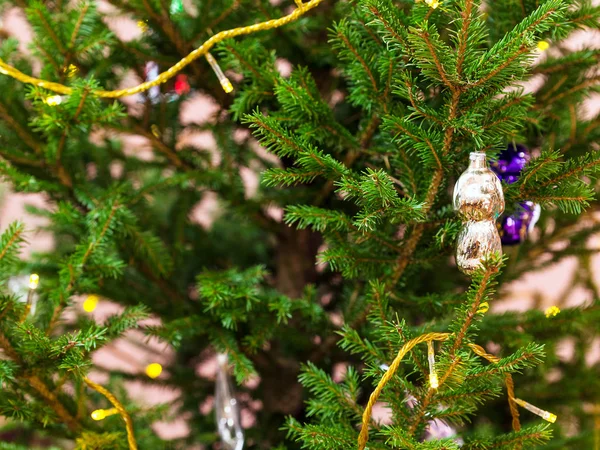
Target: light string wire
[(119, 407), (302, 9), (363, 437)]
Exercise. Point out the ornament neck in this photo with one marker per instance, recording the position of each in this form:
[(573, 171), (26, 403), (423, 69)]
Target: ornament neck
[(478, 160)]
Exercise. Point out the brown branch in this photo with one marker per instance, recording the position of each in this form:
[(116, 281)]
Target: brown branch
[(82, 14), (432, 191), (473, 311), (419, 110), (54, 403), (437, 62), (50, 32), (462, 37), (493, 73), (21, 132), (40, 387), (13, 238), (161, 147), (428, 397), (352, 156), (555, 88), (360, 59), (589, 83)]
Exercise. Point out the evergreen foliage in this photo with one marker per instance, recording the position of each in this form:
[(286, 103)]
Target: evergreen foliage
[(360, 144)]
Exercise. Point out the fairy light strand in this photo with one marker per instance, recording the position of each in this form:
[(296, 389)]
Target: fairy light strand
[(90, 303), (428, 338), (553, 311), (153, 370), (53, 100), (34, 280), (120, 409), (433, 376), (548, 416), (225, 83), (101, 414), (302, 9)]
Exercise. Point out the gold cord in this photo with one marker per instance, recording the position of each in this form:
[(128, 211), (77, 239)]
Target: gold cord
[(171, 72), (508, 380), (363, 437), (119, 407)]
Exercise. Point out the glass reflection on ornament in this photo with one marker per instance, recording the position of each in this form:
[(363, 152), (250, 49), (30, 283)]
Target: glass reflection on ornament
[(226, 408)]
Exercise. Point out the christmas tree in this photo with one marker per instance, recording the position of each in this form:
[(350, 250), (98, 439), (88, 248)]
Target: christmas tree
[(324, 272)]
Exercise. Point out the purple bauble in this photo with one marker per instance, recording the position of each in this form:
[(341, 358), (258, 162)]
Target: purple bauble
[(511, 162), (514, 227)]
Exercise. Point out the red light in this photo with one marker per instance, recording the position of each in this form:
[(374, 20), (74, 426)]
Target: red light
[(181, 84)]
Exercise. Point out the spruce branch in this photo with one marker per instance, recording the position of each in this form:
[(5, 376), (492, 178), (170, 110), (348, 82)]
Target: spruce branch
[(482, 285), (22, 132)]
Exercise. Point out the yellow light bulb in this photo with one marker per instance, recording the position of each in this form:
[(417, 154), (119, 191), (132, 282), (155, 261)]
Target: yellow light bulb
[(548, 416), (99, 414), (553, 311), (225, 83), (90, 303), (543, 45), (483, 308), (53, 100), (34, 280), (154, 370), (433, 381), (433, 3), (227, 86), (142, 25), (433, 378), (71, 70)]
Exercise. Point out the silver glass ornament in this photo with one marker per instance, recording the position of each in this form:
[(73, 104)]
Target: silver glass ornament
[(227, 410), (478, 192), (476, 241), (479, 201)]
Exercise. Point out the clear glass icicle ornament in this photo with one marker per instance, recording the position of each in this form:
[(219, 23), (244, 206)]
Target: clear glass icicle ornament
[(227, 409)]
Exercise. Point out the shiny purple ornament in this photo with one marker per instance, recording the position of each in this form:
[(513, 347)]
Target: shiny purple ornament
[(511, 162), (514, 227)]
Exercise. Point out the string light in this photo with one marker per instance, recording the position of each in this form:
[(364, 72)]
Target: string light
[(225, 83), (548, 416), (433, 377), (154, 370), (543, 45), (53, 100), (101, 414), (483, 308), (142, 25), (155, 130), (433, 4), (34, 280), (71, 70), (172, 71), (90, 303), (553, 311)]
